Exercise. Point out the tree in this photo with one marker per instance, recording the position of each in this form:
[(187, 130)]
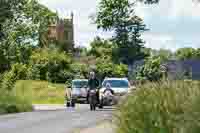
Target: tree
[(164, 54), (6, 12), (187, 53), (151, 69), (198, 53), (106, 68), (51, 65), (118, 16), (21, 24), (27, 18), (101, 47)]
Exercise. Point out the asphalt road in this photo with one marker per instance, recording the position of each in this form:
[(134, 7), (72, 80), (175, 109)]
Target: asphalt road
[(60, 120)]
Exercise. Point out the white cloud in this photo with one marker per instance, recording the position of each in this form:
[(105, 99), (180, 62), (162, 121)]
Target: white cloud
[(173, 24)]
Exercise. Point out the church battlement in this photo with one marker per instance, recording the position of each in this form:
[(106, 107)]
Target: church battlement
[(62, 31)]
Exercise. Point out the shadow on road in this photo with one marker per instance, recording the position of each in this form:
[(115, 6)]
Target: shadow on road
[(109, 109)]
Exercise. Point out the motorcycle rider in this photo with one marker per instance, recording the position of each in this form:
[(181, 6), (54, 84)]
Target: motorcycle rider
[(93, 83), (108, 88)]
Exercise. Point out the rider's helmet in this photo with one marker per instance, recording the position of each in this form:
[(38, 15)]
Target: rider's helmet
[(92, 75), (108, 86)]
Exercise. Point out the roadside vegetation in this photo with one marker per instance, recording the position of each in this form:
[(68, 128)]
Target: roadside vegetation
[(34, 69), (41, 92), (157, 106), (161, 107)]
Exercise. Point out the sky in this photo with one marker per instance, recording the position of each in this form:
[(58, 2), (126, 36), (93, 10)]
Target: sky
[(173, 24)]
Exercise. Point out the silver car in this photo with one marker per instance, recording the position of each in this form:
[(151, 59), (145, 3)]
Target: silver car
[(120, 87), (78, 92)]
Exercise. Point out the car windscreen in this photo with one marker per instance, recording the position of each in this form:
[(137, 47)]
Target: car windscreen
[(79, 84), (117, 83)]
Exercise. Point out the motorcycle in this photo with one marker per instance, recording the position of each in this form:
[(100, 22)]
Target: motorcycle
[(107, 98), (93, 99)]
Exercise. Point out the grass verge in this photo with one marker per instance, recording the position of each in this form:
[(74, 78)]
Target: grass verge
[(12, 103), (163, 107), (41, 92)]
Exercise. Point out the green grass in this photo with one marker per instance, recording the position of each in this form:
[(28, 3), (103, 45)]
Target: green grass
[(41, 92), (164, 107), (12, 103)]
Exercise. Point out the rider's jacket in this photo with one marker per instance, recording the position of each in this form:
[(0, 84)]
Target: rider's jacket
[(93, 84)]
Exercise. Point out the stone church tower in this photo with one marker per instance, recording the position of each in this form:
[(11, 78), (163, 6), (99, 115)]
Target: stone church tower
[(61, 32)]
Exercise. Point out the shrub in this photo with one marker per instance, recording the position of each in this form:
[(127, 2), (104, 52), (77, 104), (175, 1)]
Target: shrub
[(150, 70), (79, 70), (18, 71), (106, 68), (12, 103), (164, 107), (51, 65), (9, 101)]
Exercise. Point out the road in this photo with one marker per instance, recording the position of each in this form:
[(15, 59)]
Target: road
[(61, 120)]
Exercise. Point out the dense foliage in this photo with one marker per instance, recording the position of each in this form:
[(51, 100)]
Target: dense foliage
[(164, 107), (9, 101), (27, 54), (51, 65), (150, 70), (22, 22), (188, 53), (102, 50)]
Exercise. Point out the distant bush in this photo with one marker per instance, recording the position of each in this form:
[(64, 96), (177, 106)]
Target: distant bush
[(164, 107), (106, 68), (150, 70), (51, 65)]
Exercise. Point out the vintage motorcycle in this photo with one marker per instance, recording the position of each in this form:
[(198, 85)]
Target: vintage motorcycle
[(107, 98)]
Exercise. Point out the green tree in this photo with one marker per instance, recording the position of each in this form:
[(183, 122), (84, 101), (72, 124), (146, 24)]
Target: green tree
[(151, 69), (101, 47), (198, 53), (187, 53), (41, 17), (164, 54), (17, 72), (51, 65), (106, 68), (119, 16), (22, 22)]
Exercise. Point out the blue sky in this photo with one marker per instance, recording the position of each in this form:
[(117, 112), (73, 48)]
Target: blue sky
[(172, 23)]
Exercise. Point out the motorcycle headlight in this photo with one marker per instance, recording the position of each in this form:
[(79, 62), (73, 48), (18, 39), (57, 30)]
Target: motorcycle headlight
[(101, 95)]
